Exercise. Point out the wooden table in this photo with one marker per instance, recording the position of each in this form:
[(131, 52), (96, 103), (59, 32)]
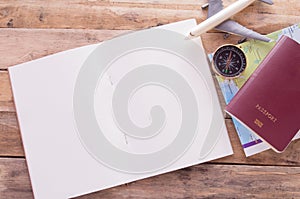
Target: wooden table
[(31, 29)]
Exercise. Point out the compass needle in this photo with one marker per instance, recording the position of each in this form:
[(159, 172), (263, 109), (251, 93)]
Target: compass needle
[(229, 61)]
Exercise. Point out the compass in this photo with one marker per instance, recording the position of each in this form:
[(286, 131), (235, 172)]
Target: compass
[(229, 61)]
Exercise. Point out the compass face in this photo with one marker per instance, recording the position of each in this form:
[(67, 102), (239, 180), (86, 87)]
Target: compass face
[(229, 61)]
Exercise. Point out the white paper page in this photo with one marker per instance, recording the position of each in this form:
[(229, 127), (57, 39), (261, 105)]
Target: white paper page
[(102, 115)]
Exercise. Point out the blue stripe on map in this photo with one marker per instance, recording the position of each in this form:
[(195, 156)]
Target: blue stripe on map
[(252, 143)]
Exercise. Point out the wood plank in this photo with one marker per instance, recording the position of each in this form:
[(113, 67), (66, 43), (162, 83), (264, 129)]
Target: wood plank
[(213, 181), (291, 156), (136, 15), (11, 145), (14, 179), (6, 98), (10, 138), (22, 45), (205, 180)]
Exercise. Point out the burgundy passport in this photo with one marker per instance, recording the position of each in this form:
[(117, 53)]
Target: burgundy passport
[(269, 102)]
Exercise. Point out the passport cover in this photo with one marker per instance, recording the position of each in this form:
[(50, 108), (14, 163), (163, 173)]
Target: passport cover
[(268, 103)]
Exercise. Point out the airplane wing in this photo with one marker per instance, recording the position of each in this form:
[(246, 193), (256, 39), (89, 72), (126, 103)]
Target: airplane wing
[(214, 7), (231, 26)]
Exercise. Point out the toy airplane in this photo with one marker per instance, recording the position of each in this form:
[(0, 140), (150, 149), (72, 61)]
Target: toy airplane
[(216, 19)]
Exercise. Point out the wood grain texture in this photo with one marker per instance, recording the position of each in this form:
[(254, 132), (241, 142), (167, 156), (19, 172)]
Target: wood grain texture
[(213, 181), (22, 45), (10, 137), (14, 179), (6, 98), (134, 15), (200, 181), (290, 157)]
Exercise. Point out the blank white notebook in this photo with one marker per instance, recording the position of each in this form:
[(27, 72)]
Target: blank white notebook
[(136, 106)]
